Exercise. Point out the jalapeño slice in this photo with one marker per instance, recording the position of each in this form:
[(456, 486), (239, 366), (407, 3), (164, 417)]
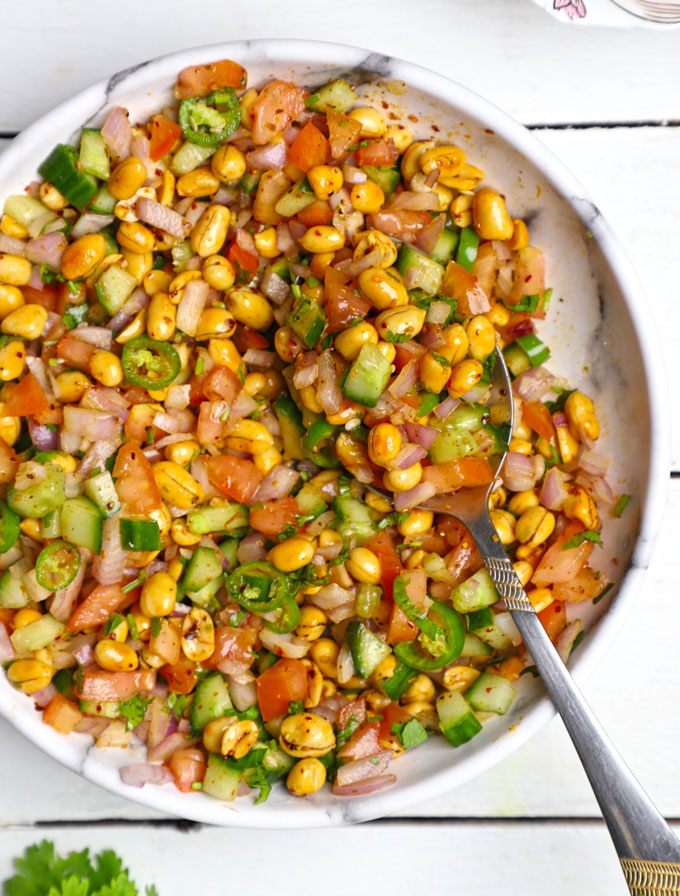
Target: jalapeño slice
[(149, 363), (9, 527), (287, 617), (426, 654), (317, 445), (256, 586), (210, 120), (57, 565)]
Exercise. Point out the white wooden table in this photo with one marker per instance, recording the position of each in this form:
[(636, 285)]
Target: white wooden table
[(606, 102)]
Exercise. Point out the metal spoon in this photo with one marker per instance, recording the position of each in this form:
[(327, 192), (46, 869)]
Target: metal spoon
[(647, 848)]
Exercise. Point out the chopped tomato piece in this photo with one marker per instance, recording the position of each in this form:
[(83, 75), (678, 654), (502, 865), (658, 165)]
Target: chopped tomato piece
[(342, 304), (401, 628), (309, 148), (553, 619), (404, 223), (110, 687), (408, 351), (181, 677), (585, 585), (393, 714), (245, 338), (463, 286), (188, 767), (97, 607), (200, 80), (135, 481), (61, 714), (164, 134), (455, 474), (277, 105), (274, 516), (560, 564), (235, 476), (537, 416), (316, 214), (343, 132), (363, 743), (221, 384), (76, 352), (377, 152), (25, 398), (242, 258), (47, 296), (233, 648), (139, 424), (283, 683), (383, 547)]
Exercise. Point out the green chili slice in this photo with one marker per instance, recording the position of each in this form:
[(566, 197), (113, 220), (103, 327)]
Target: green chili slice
[(256, 586), (139, 535), (288, 616), (9, 527), (211, 120), (150, 363), (316, 444), (417, 616), (426, 654), (57, 565)]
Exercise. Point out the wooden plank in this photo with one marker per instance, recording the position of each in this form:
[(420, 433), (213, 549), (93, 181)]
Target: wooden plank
[(523, 60), (631, 692), (537, 858)]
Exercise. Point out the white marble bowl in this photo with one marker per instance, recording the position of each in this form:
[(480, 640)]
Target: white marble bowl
[(599, 330)]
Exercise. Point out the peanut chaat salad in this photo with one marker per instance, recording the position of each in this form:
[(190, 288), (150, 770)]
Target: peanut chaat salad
[(220, 326)]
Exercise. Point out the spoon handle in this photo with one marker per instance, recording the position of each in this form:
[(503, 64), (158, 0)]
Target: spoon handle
[(646, 846)]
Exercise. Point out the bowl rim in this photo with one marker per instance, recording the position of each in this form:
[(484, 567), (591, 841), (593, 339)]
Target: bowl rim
[(86, 104)]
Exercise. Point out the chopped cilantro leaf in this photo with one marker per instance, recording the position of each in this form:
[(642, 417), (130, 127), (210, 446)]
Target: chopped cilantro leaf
[(530, 670), (349, 729), (397, 337), (621, 505), (588, 535), (410, 733), (440, 359), (112, 623), (155, 627), (294, 707), (178, 703), (133, 710)]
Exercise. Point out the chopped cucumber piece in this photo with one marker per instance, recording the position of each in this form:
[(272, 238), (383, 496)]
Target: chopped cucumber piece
[(467, 248), (82, 523), (103, 202), (310, 501), (387, 177), (211, 701), (297, 197), (102, 492), (41, 497), (307, 320), (229, 549), (419, 271), (446, 245), (367, 650), (367, 377), (93, 157), (204, 567), (474, 646), (12, 592), (114, 288), (25, 209), (457, 721), (205, 598), (189, 156), (37, 635), (452, 445), (337, 96), (491, 633), (516, 359), (221, 779), (228, 518), (491, 693), (292, 431), (104, 708), (474, 593), (402, 678), (354, 518)]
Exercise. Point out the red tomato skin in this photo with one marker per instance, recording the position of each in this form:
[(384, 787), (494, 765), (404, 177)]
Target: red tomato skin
[(76, 352), (378, 152), (382, 545), (310, 148), (188, 767), (316, 214), (553, 619), (221, 384), (135, 481), (112, 686), (342, 305), (274, 516), (97, 607), (164, 134), (343, 132), (237, 477), (279, 685), (25, 398), (181, 677), (277, 105)]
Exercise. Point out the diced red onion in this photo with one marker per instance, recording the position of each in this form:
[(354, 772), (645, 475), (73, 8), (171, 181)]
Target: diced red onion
[(328, 709), (108, 565), (353, 175), (596, 486), (518, 472), (506, 624), (47, 249), (353, 268), (408, 456), (414, 496), (35, 228), (565, 640), (64, 601), (90, 222), (243, 406), (274, 287), (427, 201), (360, 769), (191, 306), (273, 156), (137, 300), (278, 483), (553, 492), (306, 370), (446, 407), (595, 464), (429, 235), (12, 246), (438, 312), (44, 695), (533, 384), (422, 435), (117, 134), (328, 393), (162, 217), (105, 399), (225, 196), (404, 381), (168, 746), (159, 724), (142, 773), (6, 648), (366, 786), (331, 596), (243, 691), (44, 438), (341, 199), (245, 241), (284, 645), (90, 424), (97, 455), (84, 654), (99, 336), (177, 421), (345, 665), (257, 358), (178, 397), (252, 547)]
